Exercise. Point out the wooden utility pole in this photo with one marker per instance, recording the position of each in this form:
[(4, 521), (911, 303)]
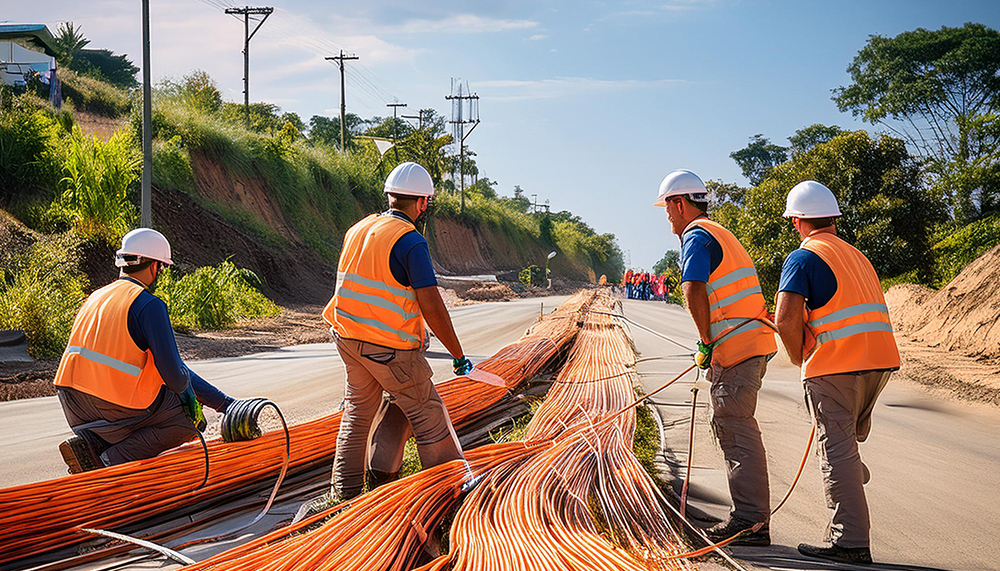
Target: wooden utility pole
[(458, 115), (343, 105), (145, 205), (246, 12), (395, 107)]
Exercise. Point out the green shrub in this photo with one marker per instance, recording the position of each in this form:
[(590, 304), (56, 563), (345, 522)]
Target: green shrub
[(961, 247), (29, 156), (40, 293), (98, 178), (532, 275), (93, 95), (213, 297)]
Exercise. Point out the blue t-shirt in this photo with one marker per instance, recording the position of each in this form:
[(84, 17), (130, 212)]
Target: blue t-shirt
[(806, 274), (410, 258), (149, 327), (701, 254)]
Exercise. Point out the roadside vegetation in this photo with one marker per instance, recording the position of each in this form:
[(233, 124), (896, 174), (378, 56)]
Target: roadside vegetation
[(213, 297), (920, 196)]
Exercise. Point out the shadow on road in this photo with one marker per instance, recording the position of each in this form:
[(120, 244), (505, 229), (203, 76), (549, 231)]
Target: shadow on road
[(783, 557)]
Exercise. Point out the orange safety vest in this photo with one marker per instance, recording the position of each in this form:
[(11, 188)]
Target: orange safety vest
[(852, 332), (101, 358), (369, 304), (734, 296)]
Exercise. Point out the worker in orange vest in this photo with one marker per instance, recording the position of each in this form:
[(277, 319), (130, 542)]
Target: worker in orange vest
[(833, 321), (121, 382), (386, 292), (723, 296)]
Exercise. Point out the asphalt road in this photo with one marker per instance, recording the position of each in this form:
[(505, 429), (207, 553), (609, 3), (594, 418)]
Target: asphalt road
[(306, 381), (933, 495)]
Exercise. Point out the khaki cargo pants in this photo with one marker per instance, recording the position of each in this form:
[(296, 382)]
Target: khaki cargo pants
[(406, 376), (734, 401), (842, 406)]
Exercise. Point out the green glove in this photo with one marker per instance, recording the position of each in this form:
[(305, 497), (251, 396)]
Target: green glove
[(703, 358), (192, 408)]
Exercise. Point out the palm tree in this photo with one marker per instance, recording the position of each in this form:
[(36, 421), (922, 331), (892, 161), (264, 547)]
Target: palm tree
[(69, 41)]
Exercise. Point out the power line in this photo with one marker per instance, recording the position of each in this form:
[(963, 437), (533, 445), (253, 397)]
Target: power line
[(343, 105), (459, 97), (395, 106), (246, 11)]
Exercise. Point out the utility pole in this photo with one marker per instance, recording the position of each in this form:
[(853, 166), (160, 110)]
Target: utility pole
[(419, 118), (458, 98), (343, 106), (246, 12), (395, 106), (145, 205)]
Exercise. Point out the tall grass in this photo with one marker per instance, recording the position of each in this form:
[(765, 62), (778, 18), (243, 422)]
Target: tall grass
[(93, 95), (213, 297), (98, 178), (29, 149), (40, 293), (961, 247)]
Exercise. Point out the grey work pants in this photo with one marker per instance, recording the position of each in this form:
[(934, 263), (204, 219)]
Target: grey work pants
[(406, 376), (734, 400), (119, 434), (842, 406)]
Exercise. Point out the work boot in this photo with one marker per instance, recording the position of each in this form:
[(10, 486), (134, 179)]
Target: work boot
[(727, 529), (79, 456), (855, 555)]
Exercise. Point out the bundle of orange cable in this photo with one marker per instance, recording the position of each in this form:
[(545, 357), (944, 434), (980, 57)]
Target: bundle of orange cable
[(571, 496), (49, 515)]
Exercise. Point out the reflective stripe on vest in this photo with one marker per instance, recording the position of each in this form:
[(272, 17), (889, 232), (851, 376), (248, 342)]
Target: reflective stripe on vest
[(369, 304), (852, 332), (734, 296), (120, 366), (101, 359)]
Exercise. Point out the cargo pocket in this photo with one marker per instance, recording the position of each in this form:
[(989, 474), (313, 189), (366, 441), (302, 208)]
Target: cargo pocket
[(413, 367)]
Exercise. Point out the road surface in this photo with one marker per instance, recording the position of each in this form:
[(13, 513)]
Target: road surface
[(306, 381), (933, 495)]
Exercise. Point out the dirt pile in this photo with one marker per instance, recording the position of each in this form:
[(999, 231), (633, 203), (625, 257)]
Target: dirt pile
[(490, 292), (962, 316)]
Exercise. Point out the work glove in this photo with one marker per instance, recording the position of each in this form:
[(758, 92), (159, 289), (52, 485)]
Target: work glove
[(462, 366), (703, 358), (192, 408)]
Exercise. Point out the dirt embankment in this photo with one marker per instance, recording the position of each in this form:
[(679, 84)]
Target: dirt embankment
[(951, 338)]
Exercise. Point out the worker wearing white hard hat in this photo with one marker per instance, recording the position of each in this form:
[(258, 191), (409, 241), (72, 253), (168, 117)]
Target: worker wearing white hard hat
[(385, 297), (121, 382), (723, 295), (832, 319)]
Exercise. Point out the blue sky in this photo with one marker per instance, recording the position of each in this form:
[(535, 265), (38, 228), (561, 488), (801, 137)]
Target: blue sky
[(588, 104)]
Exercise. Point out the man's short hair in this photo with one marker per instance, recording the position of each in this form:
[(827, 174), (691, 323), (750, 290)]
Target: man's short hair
[(820, 222), (142, 265), (700, 204), (402, 200)]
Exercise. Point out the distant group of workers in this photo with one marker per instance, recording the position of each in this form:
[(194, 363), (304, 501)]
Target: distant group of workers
[(646, 286), (831, 317), (128, 396)]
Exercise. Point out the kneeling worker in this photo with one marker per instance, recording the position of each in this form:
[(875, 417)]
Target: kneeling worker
[(121, 382), (386, 290), (833, 320), (723, 295)]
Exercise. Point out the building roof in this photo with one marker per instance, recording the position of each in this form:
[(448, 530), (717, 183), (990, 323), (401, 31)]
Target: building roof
[(37, 35)]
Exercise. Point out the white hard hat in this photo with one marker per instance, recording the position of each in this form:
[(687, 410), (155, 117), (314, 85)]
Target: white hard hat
[(144, 243), (681, 183), (810, 199), (409, 179)]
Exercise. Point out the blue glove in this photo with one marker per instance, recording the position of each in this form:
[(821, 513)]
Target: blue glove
[(462, 366)]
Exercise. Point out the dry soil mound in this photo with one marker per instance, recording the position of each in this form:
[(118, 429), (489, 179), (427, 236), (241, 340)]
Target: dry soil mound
[(964, 315)]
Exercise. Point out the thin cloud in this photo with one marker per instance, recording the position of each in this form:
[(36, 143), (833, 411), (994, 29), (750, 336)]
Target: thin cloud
[(558, 87), (537, 37), (460, 24)]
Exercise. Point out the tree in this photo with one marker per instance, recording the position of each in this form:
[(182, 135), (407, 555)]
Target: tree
[(888, 213), (69, 40), (197, 91), (107, 66), (671, 260), (758, 158), (931, 88), (720, 193), (808, 137), (546, 234), (326, 130)]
